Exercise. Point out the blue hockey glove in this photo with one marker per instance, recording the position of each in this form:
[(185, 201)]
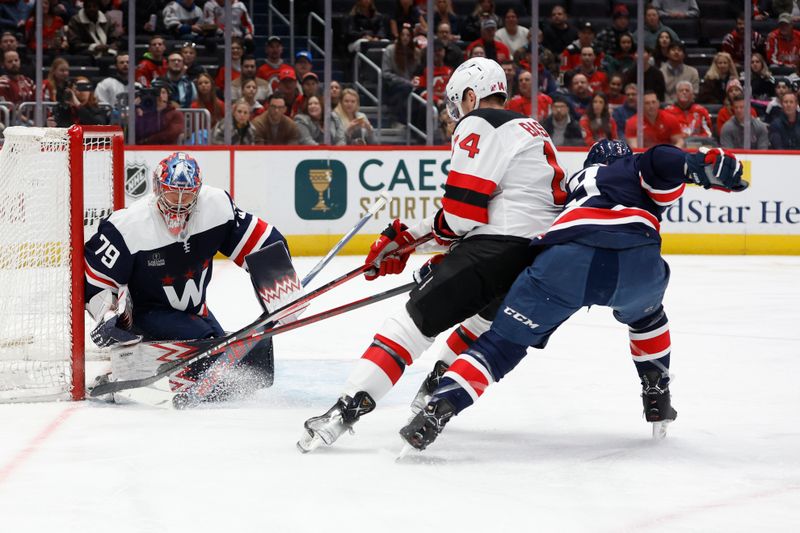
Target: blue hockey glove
[(107, 333), (715, 169)]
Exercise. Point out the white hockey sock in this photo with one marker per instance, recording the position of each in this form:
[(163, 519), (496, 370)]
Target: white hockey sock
[(397, 344), (462, 337)]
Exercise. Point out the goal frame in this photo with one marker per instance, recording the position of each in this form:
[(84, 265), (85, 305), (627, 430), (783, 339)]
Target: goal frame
[(77, 136)]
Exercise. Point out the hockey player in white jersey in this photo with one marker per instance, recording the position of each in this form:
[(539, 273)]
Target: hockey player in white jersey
[(149, 265), (503, 188)]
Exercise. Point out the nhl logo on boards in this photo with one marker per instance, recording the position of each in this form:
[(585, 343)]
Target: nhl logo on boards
[(136, 179), (156, 260)]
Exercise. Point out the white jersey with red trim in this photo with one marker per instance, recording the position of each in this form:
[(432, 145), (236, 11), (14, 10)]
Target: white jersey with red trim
[(133, 247), (504, 177)]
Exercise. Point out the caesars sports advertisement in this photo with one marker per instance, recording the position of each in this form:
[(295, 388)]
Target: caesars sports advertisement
[(315, 196)]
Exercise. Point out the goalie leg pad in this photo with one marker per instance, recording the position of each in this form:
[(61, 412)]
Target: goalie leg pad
[(397, 344)]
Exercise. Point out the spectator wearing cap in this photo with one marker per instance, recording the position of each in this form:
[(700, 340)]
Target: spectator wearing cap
[(580, 94), (623, 112), (784, 131), (453, 55), (287, 85), (242, 132), (158, 121), (117, 83), (733, 42), (310, 87), (183, 90), (237, 52), (558, 33), (406, 12), (152, 64), (249, 70), (303, 63), (273, 64), (443, 14), (571, 55), (598, 80), (189, 52), (624, 58), (722, 70), (90, 31), (675, 70), (608, 38), (677, 9), (659, 127), (653, 26), (471, 29), (207, 98), (783, 43), (311, 123), (563, 130), (399, 64), (495, 49), (514, 36), (522, 103), (441, 75), (364, 23), (274, 127), (732, 134), (694, 119), (733, 90), (653, 78)]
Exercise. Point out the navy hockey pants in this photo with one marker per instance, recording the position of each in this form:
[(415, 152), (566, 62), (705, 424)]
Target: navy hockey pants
[(171, 324)]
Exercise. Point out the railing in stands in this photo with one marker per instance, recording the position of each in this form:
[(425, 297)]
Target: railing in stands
[(196, 126), (27, 109), (311, 44), (414, 97), (289, 22), (6, 113), (378, 100)]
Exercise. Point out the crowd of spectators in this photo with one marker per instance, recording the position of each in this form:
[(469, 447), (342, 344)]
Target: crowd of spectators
[(587, 72)]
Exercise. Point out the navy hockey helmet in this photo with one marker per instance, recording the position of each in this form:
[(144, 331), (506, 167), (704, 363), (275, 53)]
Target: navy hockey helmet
[(606, 152), (177, 183)]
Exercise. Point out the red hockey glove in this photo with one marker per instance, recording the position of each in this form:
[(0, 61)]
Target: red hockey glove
[(441, 230), (715, 169), (393, 237)]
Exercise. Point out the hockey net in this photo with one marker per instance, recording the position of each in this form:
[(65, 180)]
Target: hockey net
[(56, 185)]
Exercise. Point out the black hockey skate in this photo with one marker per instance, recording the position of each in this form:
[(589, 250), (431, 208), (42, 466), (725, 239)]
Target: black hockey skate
[(428, 386), (657, 404), (338, 419), (427, 424)]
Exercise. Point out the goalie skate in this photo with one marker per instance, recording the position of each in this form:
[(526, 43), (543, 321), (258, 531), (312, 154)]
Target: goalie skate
[(428, 386), (657, 404), (327, 428)]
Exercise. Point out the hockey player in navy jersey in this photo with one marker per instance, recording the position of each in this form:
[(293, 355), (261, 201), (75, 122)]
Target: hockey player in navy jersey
[(503, 188), (149, 265), (603, 249)]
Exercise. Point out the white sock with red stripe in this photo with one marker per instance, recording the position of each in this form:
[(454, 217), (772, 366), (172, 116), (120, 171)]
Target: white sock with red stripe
[(462, 337), (398, 343)]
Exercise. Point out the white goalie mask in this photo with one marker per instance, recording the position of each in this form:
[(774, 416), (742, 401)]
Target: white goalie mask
[(480, 74)]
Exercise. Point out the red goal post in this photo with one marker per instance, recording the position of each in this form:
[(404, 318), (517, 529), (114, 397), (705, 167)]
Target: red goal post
[(56, 185)]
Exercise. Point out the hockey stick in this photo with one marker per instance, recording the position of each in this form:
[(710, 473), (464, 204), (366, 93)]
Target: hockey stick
[(245, 338)]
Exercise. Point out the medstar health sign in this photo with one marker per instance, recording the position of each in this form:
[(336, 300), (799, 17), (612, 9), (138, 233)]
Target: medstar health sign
[(320, 189)]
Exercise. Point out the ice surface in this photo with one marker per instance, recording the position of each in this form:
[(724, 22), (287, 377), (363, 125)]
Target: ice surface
[(559, 445)]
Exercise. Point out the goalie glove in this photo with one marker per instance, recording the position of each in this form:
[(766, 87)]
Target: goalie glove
[(715, 168), (112, 328), (393, 237)]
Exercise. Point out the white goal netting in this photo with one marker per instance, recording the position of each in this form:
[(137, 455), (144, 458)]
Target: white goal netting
[(36, 309)]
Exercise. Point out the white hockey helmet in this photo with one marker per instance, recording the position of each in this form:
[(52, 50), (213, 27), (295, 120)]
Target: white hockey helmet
[(484, 76)]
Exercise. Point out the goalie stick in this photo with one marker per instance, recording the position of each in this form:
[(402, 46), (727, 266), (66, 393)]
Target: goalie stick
[(242, 340)]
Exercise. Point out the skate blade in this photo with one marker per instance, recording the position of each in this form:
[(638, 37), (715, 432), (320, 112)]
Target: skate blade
[(309, 442), (660, 429), (407, 449)]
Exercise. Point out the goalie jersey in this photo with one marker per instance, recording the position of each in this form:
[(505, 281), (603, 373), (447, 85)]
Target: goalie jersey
[(133, 247), (504, 178), (620, 205)]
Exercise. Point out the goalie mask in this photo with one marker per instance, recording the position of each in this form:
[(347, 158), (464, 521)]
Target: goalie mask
[(176, 184), (482, 75)]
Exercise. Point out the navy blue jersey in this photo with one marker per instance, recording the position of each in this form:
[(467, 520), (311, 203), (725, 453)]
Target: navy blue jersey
[(620, 205), (133, 247)]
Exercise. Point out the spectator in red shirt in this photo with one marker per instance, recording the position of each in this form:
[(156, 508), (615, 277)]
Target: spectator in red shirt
[(783, 43), (287, 85), (153, 64), (660, 127), (580, 95), (441, 75), (522, 103), (733, 42), (15, 87), (207, 98), (598, 80), (615, 95), (571, 55), (237, 51), (272, 65), (54, 35), (694, 119), (494, 49), (596, 123)]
